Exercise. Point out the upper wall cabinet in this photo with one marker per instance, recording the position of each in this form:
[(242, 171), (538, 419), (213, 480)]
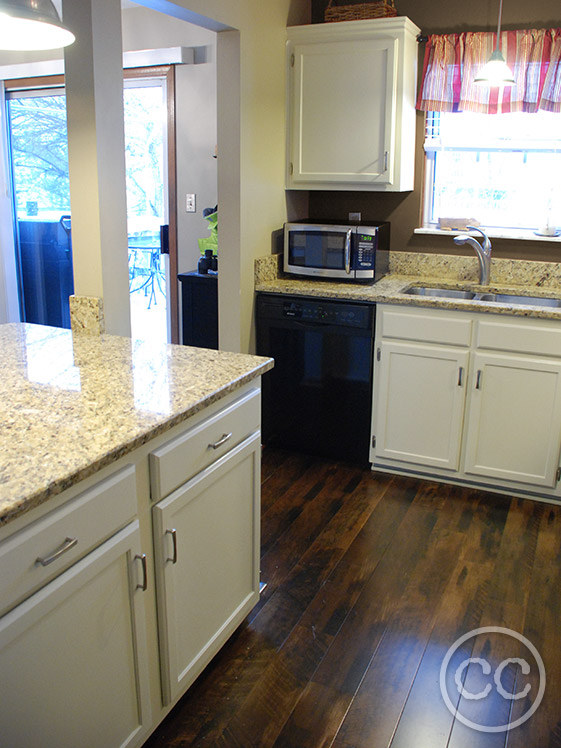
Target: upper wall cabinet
[(351, 105)]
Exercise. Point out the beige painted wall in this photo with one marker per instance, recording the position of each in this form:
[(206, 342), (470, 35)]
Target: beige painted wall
[(404, 209), (263, 208)]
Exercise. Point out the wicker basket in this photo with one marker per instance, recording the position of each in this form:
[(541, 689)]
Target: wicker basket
[(376, 9)]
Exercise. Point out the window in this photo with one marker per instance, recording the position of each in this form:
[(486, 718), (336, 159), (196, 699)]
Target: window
[(501, 169)]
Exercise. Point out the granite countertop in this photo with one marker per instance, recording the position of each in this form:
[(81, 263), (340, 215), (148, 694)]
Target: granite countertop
[(72, 404), (518, 277)]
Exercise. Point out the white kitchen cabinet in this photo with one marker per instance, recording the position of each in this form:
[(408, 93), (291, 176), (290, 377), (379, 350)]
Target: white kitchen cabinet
[(73, 656), (514, 419), (469, 398), (87, 655), (419, 415), (351, 105), (206, 538)]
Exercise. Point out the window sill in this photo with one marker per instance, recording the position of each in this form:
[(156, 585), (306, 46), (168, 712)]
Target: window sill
[(518, 234)]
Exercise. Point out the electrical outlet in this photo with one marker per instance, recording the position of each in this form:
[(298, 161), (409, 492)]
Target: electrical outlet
[(191, 203), (354, 216)]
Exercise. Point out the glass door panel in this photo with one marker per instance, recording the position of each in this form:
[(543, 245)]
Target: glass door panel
[(39, 160), (146, 147), (39, 155)]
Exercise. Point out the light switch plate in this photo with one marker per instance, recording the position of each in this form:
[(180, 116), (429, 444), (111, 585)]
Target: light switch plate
[(354, 216), (191, 203)]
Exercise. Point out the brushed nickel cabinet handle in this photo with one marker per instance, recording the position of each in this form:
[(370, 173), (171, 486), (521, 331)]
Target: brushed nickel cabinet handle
[(223, 439), (461, 376), (478, 380), (173, 534), (66, 546), (144, 585)]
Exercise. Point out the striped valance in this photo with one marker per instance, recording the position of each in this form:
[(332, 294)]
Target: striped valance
[(452, 61)]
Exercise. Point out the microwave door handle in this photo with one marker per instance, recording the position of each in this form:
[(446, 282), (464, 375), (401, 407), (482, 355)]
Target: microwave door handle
[(348, 252)]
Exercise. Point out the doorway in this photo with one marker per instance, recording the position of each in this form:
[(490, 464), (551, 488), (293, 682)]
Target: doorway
[(36, 118), (146, 149)]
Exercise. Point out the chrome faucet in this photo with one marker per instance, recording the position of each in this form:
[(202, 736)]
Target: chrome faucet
[(483, 252)]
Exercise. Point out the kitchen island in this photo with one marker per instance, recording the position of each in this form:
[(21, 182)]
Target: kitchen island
[(129, 528)]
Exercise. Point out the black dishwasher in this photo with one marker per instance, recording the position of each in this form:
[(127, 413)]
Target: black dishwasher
[(318, 397)]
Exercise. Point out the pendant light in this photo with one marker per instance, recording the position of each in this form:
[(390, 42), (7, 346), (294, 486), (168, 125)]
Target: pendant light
[(496, 72), (32, 24)]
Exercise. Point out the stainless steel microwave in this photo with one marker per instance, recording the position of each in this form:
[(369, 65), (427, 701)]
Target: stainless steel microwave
[(354, 252)]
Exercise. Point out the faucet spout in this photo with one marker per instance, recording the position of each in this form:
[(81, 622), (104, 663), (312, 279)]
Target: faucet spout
[(483, 252)]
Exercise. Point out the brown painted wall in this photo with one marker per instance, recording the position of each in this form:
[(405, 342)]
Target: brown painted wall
[(404, 209)]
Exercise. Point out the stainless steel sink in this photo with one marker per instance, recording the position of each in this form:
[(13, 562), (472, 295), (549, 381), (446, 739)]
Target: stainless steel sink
[(504, 298), (447, 293), (500, 298)]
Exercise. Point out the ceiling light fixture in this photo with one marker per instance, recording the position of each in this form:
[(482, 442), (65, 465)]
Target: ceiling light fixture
[(32, 24), (496, 72)]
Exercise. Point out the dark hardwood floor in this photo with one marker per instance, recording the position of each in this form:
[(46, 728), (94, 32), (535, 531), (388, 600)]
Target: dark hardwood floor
[(370, 580)]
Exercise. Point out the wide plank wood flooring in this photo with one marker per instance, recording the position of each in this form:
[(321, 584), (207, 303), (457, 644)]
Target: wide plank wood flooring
[(370, 580)]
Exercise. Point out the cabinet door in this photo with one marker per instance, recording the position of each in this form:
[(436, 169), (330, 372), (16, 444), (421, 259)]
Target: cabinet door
[(343, 100), (73, 658), (206, 538), (419, 406), (514, 419)]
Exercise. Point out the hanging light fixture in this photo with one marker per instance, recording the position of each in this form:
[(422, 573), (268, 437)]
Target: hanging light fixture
[(496, 72), (32, 24)]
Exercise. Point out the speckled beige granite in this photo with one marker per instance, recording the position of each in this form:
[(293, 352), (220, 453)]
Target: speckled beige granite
[(445, 267), (465, 269), (268, 268), (71, 404), (522, 277), (86, 314)]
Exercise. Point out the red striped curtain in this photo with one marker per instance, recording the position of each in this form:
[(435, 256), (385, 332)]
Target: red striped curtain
[(452, 61)]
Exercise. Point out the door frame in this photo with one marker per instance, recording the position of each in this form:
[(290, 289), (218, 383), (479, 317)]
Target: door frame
[(168, 73)]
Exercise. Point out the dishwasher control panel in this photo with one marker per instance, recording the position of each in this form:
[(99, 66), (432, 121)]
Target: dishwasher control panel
[(348, 315)]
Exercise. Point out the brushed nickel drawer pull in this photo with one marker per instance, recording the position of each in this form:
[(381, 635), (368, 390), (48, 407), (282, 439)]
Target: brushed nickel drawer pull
[(144, 585), (173, 534), (223, 439), (66, 546)]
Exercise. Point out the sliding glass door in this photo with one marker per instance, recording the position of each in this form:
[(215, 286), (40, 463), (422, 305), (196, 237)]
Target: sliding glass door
[(41, 197)]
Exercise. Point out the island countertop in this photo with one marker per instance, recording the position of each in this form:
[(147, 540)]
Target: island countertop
[(72, 404)]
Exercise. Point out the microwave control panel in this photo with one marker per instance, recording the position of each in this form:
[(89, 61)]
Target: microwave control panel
[(365, 247)]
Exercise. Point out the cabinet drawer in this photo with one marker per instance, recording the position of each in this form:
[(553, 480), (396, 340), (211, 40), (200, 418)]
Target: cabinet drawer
[(427, 326), (183, 457), (524, 336), (88, 519)]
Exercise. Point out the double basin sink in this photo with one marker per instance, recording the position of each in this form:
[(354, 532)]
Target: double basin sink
[(501, 298)]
